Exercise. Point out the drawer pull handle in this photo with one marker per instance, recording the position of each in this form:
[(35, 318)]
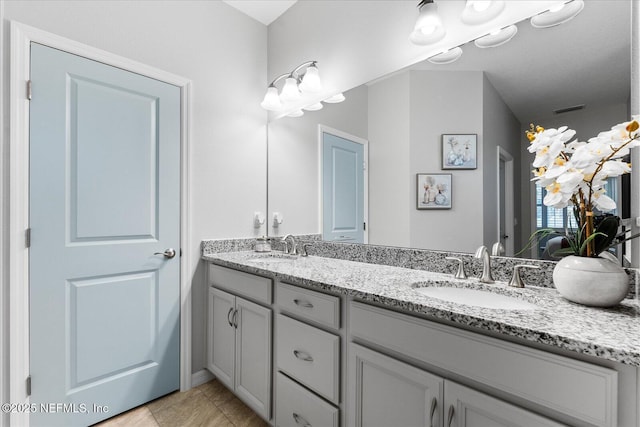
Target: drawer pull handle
[(306, 357), (303, 303), (235, 319), (450, 416), (434, 404), (229, 317), (300, 421)]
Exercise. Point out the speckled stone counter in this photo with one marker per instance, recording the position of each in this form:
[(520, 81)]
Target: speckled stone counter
[(612, 334)]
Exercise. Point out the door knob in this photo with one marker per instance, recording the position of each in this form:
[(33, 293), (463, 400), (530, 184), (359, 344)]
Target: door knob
[(169, 253)]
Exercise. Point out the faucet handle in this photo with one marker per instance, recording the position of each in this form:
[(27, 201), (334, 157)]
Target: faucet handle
[(497, 249), (460, 274), (516, 281), (286, 246), (303, 252)]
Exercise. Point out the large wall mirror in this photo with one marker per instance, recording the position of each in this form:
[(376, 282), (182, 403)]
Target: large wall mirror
[(581, 67)]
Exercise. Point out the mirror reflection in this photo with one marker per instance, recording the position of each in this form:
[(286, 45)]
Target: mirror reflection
[(575, 74)]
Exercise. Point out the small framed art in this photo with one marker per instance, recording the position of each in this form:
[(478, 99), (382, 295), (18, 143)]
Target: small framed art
[(459, 151), (433, 191)]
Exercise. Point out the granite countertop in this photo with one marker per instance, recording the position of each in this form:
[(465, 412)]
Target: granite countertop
[(607, 333)]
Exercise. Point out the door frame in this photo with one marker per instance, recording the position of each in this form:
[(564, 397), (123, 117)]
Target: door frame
[(21, 38), (509, 226), (365, 143)]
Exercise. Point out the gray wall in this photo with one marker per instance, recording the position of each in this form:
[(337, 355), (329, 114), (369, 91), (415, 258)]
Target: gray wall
[(500, 128)]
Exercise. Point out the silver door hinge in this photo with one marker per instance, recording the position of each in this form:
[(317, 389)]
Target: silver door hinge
[(29, 385), (29, 90), (27, 238), (364, 164)]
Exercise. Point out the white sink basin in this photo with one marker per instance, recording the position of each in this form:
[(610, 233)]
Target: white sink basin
[(270, 258), (475, 297)]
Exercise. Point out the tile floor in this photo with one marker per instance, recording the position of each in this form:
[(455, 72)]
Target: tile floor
[(210, 404)]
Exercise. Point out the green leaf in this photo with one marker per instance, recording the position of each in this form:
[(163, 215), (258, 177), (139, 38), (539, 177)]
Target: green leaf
[(606, 230)]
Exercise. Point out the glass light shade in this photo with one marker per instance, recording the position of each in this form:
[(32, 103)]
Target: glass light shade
[(428, 28), (446, 57), (479, 12), (314, 107), (338, 97), (497, 38), (558, 15), (297, 113), (271, 99), (311, 80), (290, 91)]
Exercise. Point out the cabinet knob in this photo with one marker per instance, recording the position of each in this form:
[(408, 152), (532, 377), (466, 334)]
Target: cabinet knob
[(300, 421), (303, 303), (306, 357), (434, 405)]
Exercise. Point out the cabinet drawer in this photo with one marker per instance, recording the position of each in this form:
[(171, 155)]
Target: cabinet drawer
[(296, 406), (315, 306), (550, 380), (310, 356), (244, 284)]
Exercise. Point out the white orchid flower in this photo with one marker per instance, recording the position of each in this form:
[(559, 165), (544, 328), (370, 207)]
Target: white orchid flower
[(603, 202)]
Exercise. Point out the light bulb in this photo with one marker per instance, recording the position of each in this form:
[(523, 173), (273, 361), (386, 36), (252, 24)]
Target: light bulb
[(480, 5), (338, 97), (311, 80), (271, 99), (290, 90), (428, 28), (296, 113), (314, 107)]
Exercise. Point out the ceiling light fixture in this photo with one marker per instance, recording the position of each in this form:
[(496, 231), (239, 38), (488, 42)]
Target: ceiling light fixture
[(557, 15), (497, 38), (481, 11), (297, 113), (446, 57), (304, 79), (314, 107), (428, 28)]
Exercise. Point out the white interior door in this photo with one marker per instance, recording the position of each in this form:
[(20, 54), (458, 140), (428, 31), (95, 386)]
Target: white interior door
[(506, 195), (343, 189), (104, 207)]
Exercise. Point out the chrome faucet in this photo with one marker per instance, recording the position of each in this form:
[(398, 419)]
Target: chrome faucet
[(483, 253), (293, 250)]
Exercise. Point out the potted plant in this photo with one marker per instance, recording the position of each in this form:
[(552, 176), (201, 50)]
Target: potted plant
[(574, 173)]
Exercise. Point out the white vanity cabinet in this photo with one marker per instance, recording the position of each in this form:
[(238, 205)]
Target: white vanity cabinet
[(240, 337), (384, 391), (535, 381), (308, 357)]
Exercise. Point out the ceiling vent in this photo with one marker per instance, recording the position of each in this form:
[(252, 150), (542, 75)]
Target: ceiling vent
[(568, 109)]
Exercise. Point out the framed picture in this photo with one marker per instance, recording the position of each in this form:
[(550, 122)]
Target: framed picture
[(433, 191), (459, 151)]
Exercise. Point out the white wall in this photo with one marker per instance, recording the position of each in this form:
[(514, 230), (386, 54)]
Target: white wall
[(446, 102), (224, 53), (294, 187), (500, 128), (390, 188)]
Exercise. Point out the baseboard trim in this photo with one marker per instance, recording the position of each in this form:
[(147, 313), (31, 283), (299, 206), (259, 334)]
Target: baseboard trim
[(200, 377)]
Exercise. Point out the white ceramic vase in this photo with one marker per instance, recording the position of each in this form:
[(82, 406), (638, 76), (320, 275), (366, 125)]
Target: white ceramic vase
[(596, 282)]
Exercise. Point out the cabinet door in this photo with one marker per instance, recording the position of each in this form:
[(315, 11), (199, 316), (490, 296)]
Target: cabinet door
[(253, 356), (470, 408), (221, 336), (386, 392)]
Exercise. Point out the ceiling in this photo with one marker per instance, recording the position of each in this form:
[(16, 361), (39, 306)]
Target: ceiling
[(265, 11)]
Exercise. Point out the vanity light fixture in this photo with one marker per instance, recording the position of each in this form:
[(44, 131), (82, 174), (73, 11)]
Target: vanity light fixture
[(297, 113), (305, 78), (446, 57), (481, 11), (428, 28), (557, 15), (314, 107), (497, 38), (338, 97)]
